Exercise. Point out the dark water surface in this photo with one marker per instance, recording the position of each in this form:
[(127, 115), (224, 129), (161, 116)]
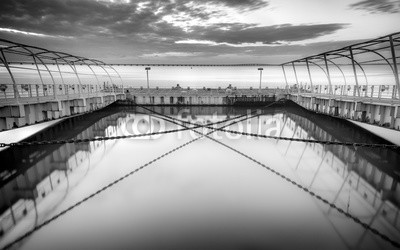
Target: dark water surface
[(203, 195)]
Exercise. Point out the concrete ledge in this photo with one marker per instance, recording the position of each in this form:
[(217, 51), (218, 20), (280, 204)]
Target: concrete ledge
[(386, 133)]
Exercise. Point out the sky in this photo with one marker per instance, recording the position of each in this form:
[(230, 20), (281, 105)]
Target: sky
[(206, 31)]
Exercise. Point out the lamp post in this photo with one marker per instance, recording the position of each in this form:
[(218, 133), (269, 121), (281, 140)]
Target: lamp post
[(147, 73), (260, 69)]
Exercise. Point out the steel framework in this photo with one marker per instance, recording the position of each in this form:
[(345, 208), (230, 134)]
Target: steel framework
[(22, 55), (382, 51)]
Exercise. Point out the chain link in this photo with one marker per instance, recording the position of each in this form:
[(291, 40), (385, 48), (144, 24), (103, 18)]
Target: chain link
[(35, 143), (305, 189), (354, 144), (36, 228), (301, 187), (320, 198)]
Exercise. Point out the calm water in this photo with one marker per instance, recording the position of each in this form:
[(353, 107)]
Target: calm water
[(203, 195)]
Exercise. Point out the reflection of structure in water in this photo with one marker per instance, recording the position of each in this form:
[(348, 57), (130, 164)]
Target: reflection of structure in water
[(31, 173), (369, 171)]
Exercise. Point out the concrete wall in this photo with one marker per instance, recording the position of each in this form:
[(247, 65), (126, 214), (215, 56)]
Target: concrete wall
[(12, 116), (179, 100), (372, 112)]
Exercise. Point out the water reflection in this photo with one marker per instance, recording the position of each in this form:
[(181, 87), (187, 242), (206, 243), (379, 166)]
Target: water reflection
[(35, 181)]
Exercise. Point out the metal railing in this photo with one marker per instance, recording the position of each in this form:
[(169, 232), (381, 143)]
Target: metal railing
[(362, 91), (9, 91)]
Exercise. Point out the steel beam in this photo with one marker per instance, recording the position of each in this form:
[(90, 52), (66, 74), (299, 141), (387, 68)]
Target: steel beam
[(395, 69), (329, 76), (354, 70), (309, 75), (284, 74), (15, 87)]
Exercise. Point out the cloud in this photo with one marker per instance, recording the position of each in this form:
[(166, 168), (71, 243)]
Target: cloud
[(238, 33), (90, 17), (244, 5), (24, 32), (148, 21), (378, 6), (75, 17), (171, 54), (150, 29)]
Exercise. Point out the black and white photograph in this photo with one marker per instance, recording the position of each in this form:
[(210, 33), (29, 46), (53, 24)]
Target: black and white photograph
[(199, 124)]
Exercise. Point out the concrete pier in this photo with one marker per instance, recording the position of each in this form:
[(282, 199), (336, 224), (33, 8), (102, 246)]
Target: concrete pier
[(31, 109), (205, 96), (371, 109)]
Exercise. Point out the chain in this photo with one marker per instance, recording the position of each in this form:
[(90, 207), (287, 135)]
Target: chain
[(354, 144), (35, 143), (36, 228), (305, 189), (318, 197), (301, 187)]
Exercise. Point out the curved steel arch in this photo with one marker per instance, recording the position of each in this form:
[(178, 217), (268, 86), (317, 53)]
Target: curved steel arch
[(341, 71), (88, 65), (45, 57), (319, 66), (63, 58), (327, 77), (358, 64), (101, 64), (120, 78), (51, 75), (82, 59), (15, 89), (380, 55), (384, 58)]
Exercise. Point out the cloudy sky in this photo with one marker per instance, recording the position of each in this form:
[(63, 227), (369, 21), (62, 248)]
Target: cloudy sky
[(206, 31)]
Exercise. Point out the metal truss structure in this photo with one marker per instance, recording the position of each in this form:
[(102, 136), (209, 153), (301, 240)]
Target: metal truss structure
[(16, 56), (376, 52), (355, 58)]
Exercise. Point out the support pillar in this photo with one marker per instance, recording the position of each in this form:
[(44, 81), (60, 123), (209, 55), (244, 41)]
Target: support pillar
[(309, 75), (354, 70), (284, 74), (395, 69), (329, 76), (15, 88)]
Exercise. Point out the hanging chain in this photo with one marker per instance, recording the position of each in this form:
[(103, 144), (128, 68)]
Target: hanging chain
[(36, 228), (301, 187), (353, 144)]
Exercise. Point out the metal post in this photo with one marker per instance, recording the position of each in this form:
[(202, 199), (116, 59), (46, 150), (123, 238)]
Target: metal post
[(260, 69), (40, 75), (51, 76), (297, 82), (147, 73), (15, 87), (62, 78), (79, 81), (309, 75), (354, 70), (95, 76), (284, 74), (295, 75), (329, 76), (120, 78), (395, 69)]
